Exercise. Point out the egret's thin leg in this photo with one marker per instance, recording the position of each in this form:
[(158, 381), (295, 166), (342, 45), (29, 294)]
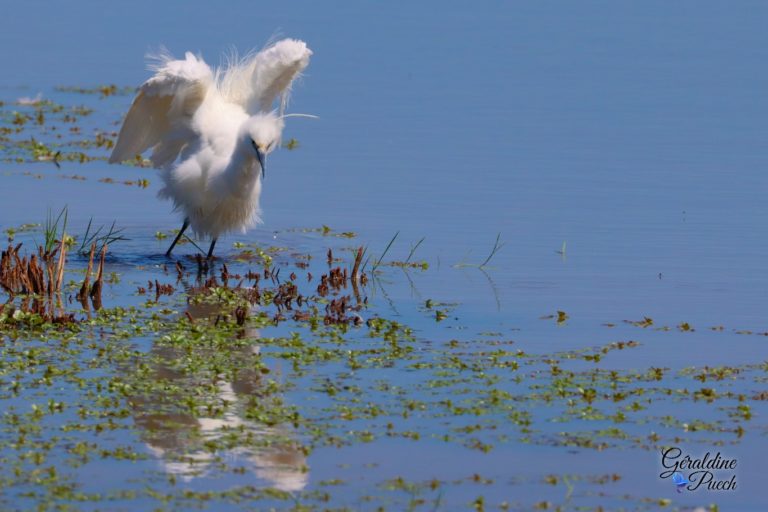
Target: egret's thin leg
[(178, 237), (210, 250)]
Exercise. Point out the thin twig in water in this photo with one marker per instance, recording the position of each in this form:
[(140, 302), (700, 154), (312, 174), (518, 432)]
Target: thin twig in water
[(377, 282), (493, 288), (193, 243), (414, 290), (413, 249), (496, 248), (113, 235), (81, 250), (378, 262)]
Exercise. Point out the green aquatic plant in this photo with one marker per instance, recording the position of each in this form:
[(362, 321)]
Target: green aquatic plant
[(291, 144), (24, 228), (52, 232), (104, 91)]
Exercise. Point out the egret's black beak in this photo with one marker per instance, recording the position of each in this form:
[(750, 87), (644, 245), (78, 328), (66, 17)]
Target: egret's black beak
[(262, 157)]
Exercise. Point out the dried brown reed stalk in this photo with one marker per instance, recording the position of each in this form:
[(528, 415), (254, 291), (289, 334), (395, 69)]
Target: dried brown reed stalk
[(38, 278), (59, 275), (82, 295), (27, 276), (356, 265), (98, 284)]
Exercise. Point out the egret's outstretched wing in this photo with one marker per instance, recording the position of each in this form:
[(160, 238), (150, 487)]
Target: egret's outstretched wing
[(257, 81), (160, 113)]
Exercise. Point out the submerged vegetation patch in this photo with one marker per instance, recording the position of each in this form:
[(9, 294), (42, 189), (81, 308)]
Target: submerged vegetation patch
[(243, 369)]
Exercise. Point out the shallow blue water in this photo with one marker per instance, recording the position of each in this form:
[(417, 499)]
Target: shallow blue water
[(635, 134)]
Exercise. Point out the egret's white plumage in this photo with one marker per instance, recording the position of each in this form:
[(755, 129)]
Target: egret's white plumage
[(210, 132)]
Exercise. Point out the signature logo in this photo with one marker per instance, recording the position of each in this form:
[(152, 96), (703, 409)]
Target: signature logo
[(712, 472)]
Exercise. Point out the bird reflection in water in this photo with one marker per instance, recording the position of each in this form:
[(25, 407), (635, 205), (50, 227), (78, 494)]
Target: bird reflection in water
[(180, 438)]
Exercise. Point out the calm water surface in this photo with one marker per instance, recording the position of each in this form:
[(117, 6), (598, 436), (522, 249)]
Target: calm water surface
[(632, 135)]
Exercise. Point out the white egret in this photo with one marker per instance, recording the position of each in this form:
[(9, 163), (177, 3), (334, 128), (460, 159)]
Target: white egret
[(210, 133)]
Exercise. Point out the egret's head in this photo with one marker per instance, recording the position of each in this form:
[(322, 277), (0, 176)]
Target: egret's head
[(262, 135)]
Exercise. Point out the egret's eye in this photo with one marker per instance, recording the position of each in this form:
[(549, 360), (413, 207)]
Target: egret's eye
[(253, 143)]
